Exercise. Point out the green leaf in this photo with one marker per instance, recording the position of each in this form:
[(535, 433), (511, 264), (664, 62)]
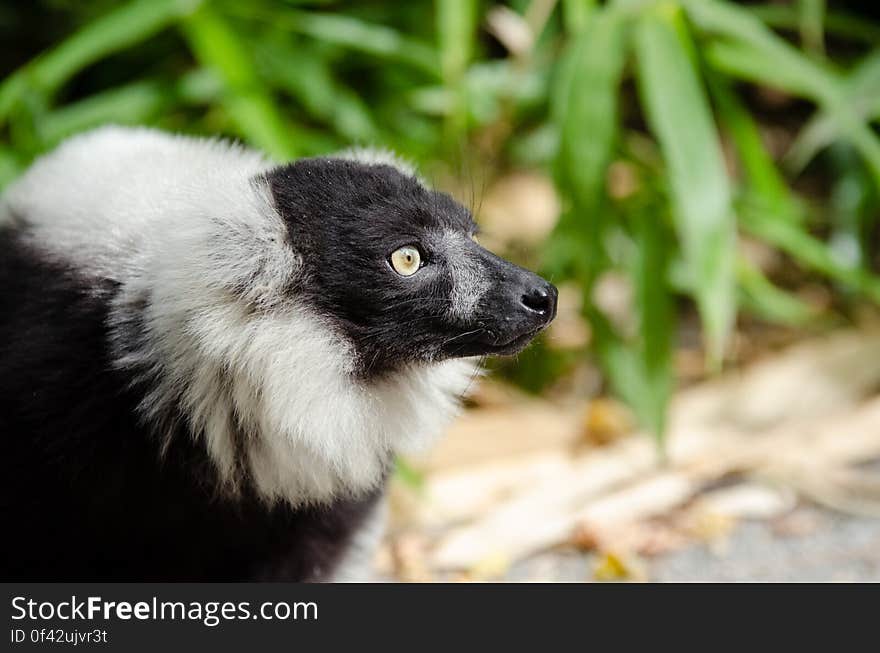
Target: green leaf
[(854, 209), (585, 110), (792, 72), (360, 36), (121, 28), (456, 25), (585, 107), (751, 51), (760, 297), (656, 319), (248, 102), (619, 361), (761, 174), (9, 167), (11, 91), (862, 90), (811, 18), (313, 85), (837, 23), (770, 211), (679, 116), (456, 30), (576, 13), (806, 249), (131, 104)]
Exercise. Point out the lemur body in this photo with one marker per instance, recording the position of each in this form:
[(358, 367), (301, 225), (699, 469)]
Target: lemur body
[(208, 361)]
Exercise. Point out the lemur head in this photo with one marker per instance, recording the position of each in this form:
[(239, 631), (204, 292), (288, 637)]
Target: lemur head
[(396, 267)]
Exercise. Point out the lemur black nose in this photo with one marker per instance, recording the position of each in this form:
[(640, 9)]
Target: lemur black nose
[(541, 299)]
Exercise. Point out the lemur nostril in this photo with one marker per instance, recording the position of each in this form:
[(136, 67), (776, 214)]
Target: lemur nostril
[(538, 300)]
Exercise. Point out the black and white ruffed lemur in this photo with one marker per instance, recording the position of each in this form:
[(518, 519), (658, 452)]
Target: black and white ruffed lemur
[(208, 361)]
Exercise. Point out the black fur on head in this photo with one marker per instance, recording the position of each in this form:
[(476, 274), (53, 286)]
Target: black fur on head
[(346, 218)]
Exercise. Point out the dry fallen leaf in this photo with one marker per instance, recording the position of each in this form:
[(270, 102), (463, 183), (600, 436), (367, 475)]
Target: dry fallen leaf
[(711, 528), (797, 524), (649, 538), (659, 538), (748, 501), (606, 420), (586, 537), (491, 567), (408, 558), (616, 566)]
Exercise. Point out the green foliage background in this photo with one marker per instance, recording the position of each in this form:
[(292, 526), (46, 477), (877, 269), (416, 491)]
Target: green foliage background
[(666, 87)]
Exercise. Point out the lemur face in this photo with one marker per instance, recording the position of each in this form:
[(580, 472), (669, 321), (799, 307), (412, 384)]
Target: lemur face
[(396, 268)]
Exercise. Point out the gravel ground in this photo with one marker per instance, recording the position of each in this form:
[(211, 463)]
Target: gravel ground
[(824, 547)]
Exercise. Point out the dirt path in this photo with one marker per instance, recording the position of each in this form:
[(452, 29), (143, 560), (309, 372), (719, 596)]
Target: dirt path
[(809, 545)]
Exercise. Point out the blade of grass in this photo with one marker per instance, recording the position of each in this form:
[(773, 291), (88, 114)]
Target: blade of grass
[(770, 211), (801, 78), (456, 28), (618, 360), (456, 32), (760, 297), (23, 123), (763, 179), (862, 88), (131, 104), (837, 23), (742, 61), (762, 175), (312, 84), (9, 167), (656, 319), (811, 18), (751, 51), (624, 368), (129, 24), (679, 116), (352, 33), (850, 214), (575, 14), (585, 110), (248, 102), (806, 249), (200, 86)]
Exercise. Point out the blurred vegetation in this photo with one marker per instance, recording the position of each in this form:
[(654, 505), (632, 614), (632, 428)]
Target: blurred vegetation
[(675, 131)]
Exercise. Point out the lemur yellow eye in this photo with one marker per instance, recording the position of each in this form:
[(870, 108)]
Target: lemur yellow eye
[(406, 261)]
